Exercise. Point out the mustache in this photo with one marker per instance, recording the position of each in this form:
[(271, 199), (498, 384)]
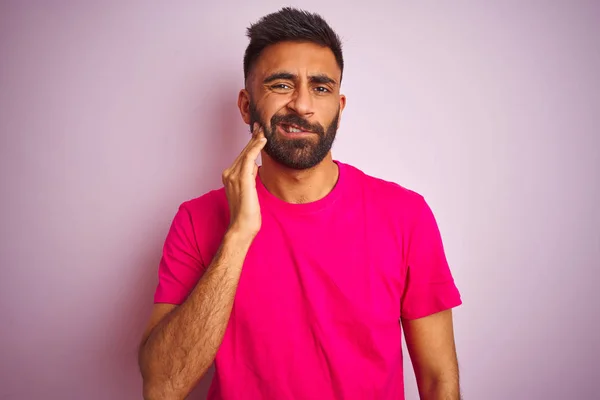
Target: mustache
[(294, 119)]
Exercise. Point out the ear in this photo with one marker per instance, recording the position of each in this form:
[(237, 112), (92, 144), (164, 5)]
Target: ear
[(342, 106), (244, 105)]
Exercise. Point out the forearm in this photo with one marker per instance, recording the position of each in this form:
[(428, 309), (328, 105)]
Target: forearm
[(439, 389), (430, 343), (182, 347)]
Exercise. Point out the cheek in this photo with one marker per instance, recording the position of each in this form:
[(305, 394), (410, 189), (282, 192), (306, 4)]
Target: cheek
[(269, 105), (276, 104), (331, 115)]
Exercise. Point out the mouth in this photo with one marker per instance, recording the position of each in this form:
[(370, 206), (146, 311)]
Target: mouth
[(292, 130)]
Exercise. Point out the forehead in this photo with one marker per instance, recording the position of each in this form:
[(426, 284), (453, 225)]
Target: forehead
[(301, 58)]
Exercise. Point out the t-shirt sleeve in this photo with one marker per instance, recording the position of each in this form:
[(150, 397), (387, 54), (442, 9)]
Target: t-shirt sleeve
[(429, 284), (180, 266)]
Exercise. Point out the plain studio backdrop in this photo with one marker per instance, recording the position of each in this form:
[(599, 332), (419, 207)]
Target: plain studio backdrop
[(113, 113)]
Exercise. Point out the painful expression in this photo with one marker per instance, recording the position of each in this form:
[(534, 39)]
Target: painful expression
[(293, 92)]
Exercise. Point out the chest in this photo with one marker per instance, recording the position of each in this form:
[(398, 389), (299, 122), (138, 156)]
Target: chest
[(335, 267)]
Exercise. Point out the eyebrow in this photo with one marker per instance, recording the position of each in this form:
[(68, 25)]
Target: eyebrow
[(318, 78), (322, 78)]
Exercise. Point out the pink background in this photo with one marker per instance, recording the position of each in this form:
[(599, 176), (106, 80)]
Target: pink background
[(111, 114)]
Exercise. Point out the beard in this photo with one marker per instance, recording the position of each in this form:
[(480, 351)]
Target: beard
[(296, 153)]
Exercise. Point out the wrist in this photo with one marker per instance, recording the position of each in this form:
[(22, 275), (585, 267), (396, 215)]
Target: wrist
[(238, 238)]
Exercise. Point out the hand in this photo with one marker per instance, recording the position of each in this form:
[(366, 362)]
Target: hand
[(240, 186)]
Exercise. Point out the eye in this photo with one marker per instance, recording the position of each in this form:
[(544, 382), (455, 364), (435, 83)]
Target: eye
[(322, 89), (280, 86)]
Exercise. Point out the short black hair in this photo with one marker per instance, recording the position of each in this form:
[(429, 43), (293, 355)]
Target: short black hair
[(290, 25)]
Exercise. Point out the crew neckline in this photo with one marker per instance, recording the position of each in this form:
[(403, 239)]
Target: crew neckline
[(314, 206)]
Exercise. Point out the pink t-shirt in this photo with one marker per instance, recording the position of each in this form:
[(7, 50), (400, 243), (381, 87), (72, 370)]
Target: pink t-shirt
[(324, 284)]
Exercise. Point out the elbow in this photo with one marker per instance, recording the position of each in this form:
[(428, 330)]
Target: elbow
[(154, 389), (157, 386), (163, 381), (153, 392)]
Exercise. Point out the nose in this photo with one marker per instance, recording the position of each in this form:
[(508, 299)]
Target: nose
[(302, 101)]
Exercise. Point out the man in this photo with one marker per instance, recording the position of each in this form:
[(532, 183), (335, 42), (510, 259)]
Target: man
[(296, 277)]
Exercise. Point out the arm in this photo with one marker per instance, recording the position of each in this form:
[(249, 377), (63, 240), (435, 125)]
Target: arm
[(429, 296), (430, 343), (182, 346), (181, 342)]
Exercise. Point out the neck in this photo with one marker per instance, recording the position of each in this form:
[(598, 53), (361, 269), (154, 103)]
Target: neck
[(299, 186)]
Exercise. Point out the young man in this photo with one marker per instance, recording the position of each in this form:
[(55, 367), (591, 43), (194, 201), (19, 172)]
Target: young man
[(296, 277)]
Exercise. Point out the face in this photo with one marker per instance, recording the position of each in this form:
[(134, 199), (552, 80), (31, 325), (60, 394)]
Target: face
[(293, 92)]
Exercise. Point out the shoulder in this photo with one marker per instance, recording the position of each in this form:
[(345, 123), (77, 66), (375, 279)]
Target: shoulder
[(210, 208), (383, 192), (205, 219), (208, 201)]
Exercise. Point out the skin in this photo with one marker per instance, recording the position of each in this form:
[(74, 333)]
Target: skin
[(180, 342), (430, 343), (303, 98)]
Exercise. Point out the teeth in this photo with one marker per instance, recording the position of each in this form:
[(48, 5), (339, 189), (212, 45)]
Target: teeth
[(291, 129)]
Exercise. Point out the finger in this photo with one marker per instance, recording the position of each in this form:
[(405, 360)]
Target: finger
[(254, 150), (258, 130), (252, 155), (257, 137), (246, 148), (257, 133)]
